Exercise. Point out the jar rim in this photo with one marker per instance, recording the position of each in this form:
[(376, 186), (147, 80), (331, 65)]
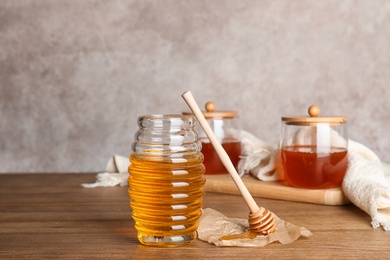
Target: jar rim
[(166, 116)]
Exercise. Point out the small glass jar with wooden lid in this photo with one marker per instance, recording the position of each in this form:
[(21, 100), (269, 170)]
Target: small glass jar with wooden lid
[(225, 125), (313, 150)]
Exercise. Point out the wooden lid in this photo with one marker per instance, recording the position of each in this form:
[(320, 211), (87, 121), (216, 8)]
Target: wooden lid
[(211, 113), (314, 118)]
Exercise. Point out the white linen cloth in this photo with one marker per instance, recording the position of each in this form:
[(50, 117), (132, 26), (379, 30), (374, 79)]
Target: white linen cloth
[(366, 183), (116, 173)]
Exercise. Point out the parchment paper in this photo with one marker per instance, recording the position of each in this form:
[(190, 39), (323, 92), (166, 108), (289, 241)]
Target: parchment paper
[(214, 225)]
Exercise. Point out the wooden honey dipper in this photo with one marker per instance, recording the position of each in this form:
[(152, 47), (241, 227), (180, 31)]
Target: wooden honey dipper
[(261, 221)]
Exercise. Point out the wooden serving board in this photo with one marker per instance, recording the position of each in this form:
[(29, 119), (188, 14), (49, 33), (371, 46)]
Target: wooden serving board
[(223, 183)]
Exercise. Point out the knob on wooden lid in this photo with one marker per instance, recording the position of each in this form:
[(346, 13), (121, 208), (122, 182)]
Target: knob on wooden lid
[(210, 106), (211, 113), (314, 112)]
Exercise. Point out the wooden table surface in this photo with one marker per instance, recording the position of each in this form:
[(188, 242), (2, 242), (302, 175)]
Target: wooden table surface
[(51, 216)]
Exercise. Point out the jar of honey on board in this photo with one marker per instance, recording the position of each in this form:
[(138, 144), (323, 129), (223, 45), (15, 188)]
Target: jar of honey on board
[(225, 125), (313, 150)]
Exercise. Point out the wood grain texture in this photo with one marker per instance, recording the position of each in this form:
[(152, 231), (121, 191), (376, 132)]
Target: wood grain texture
[(51, 216), (222, 183)]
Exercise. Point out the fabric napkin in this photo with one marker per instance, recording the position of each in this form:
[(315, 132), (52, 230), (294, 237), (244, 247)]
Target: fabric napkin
[(116, 173), (367, 184)]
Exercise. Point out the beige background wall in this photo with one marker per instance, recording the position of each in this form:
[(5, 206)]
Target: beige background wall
[(74, 75)]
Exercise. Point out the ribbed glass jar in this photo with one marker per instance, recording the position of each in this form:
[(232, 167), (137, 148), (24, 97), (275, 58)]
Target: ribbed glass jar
[(166, 180)]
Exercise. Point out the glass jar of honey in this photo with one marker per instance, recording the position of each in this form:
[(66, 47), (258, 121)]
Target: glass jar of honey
[(225, 125), (313, 150), (166, 180)]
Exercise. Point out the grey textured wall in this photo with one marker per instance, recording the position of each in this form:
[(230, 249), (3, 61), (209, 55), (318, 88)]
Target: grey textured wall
[(74, 75)]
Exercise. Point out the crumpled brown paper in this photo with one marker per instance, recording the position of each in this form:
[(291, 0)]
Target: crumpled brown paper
[(213, 225)]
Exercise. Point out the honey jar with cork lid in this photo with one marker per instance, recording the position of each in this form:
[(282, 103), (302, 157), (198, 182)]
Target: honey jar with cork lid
[(313, 150), (225, 125)]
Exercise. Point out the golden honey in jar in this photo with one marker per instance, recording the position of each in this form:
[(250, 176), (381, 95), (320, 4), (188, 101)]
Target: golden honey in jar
[(226, 128), (313, 150), (166, 180)]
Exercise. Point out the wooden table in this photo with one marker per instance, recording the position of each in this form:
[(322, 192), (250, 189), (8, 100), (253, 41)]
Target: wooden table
[(51, 216)]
